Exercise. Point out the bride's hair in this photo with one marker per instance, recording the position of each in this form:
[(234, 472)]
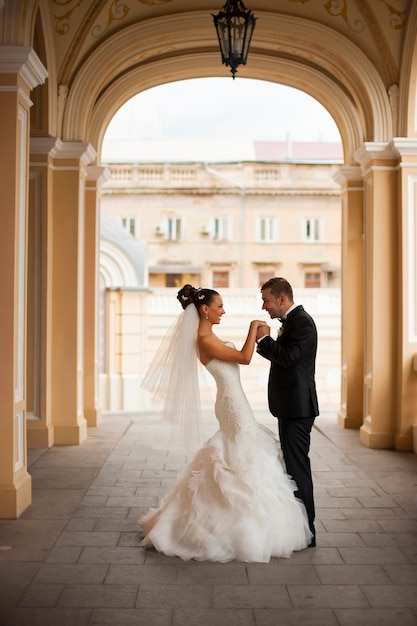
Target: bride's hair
[(189, 294)]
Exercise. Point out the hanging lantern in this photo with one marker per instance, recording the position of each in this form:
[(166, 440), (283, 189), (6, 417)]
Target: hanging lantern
[(234, 26)]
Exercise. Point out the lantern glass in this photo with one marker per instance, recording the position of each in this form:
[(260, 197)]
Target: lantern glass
[(234, 26)]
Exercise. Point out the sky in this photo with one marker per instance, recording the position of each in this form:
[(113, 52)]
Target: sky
[(223, 108)]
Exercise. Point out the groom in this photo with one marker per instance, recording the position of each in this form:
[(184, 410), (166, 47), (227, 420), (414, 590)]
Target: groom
[(291, 388)]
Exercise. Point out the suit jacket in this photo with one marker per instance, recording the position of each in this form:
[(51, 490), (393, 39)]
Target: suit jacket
[(291, 385)]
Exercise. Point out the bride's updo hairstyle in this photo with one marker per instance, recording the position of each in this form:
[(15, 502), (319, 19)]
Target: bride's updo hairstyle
[(189, 294)]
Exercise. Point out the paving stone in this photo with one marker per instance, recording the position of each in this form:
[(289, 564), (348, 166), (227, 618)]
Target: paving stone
[(68, 573), (92, 596), (351, 526), (372, 555), (50, 504), (212, 573), (267, 574), (175, 596), (64, 554), (92, 538), (295, 617), (113, 554), (49, 617), (134, 617), (352, 574), (389, 539), (120, 525), (142, 573), (42, 595), (402, 574), (391, 596), (252, 596), (375, 617), (327, 596), (213, 617)]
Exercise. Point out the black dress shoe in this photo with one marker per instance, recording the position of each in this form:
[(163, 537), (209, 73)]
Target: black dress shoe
[(312, 543)]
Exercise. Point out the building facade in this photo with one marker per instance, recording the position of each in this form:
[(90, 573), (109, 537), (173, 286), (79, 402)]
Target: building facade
[(229, 226)]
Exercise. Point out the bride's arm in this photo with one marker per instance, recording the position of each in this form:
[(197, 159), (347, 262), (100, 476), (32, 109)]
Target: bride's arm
[(211, 347)]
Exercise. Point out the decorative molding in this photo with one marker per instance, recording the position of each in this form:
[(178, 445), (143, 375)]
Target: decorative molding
[(412, 257), (350, 173), (115, 266), (74, 150), (98, 173), (42, 145), (23, 61), (20, 438), (405, 146), (21, 260), (375, 150)]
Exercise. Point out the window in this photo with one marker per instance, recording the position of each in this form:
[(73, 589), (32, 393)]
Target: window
[(220, 280), (173, 280), (267, 229), (174, 228), (221, 228), (312, 227), (264, 276), (312, 280), (129, 223)]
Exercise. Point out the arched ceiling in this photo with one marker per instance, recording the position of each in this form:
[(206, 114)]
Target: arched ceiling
[(376, 27), (345, 53)]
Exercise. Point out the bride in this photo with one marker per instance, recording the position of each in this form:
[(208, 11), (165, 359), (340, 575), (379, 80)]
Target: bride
[(235, 499)]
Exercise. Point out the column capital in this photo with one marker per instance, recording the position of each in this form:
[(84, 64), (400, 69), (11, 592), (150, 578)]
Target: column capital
[(375, 150), (24, 62), (348, 174), (74, 150), (42, 145), (404, 146), (98, 173)]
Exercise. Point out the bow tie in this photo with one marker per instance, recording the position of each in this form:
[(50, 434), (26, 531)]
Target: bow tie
[(283, 320)]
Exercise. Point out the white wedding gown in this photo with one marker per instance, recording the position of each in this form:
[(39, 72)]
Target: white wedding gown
[(234, 500)]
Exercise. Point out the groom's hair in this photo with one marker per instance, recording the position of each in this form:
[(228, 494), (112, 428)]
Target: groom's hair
[(279, 286)]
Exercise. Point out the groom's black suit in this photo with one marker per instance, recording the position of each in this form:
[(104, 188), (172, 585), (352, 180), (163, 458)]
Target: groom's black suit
[(292, 396)]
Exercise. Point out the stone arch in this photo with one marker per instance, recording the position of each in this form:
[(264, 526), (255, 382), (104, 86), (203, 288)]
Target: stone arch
[(289, 50), (116, 267)]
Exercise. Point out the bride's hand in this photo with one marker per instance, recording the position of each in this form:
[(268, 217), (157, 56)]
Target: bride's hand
[(258, 323)]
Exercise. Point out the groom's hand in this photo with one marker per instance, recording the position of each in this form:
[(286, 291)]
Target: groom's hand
[(262, 331)]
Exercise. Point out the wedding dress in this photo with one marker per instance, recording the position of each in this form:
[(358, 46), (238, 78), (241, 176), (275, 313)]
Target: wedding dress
[(234, 500)]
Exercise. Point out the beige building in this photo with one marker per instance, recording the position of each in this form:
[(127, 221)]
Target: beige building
[(65, 69), (229, 225)]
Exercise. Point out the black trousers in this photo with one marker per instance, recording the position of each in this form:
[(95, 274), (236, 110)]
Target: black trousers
[(294, 434)]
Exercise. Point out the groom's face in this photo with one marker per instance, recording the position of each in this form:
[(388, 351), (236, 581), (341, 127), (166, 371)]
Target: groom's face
[(275, 306)]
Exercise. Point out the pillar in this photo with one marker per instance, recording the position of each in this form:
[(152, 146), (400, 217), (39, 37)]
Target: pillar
[(96, 176), (380, 301), (20, 71), (40, 433), (351, 411), (70, 160), (406, 435)]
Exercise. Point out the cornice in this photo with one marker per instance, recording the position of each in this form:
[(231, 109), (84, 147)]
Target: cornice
[(23, 61)]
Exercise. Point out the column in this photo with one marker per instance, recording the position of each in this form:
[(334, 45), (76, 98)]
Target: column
[(70, 160), (351, 410), (20, 71), (40, 432), (406, 436), (379, 171), (96, 176)]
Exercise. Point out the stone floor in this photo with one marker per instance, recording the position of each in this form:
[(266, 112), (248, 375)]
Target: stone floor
[(73, 557)]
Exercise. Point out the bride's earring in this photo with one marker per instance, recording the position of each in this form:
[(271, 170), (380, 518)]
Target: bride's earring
[(206, 317)]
